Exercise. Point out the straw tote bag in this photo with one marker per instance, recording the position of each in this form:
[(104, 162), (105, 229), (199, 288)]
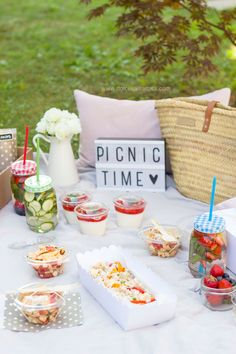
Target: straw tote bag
[(201, 142)]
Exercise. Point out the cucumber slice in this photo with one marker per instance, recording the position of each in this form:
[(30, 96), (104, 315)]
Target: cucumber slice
[(29, 196), (47, 226), (42, 213), (47, 205), (32, 221), (35, 205), (31, 210), (41, 195), (47, 217), (51, 195)]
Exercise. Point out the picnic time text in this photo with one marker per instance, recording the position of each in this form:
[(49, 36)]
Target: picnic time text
[(128, 154), (130, 164)]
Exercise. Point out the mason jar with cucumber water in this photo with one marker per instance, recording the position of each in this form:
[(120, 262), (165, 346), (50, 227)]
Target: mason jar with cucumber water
[(40, 204)]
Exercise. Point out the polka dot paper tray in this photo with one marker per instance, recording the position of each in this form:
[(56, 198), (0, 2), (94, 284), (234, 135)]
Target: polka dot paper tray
[(70, 316)]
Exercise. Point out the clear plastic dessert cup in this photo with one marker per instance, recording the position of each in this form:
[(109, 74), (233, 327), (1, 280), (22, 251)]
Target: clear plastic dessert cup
[(48, 261), (129, 211), (166, 245), (70, 201), (218, 299), (39, 305), (92, 218)]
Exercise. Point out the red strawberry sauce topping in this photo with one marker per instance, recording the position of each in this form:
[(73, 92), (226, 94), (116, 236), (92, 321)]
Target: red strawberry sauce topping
[(129, 205)]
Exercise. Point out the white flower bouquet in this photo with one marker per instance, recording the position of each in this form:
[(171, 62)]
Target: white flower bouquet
[(59, 123)]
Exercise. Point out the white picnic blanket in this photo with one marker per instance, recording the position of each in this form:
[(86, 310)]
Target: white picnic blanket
[(195, 329)]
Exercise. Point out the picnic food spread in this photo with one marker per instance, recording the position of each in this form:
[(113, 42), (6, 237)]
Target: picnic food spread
[(92, 218), (120, 280), (48, 261), (129, 211), (70, 201), (41, 306), (162, 242), (34, 194)]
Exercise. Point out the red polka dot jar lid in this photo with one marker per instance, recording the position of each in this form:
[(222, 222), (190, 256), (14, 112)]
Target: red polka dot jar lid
[(20, 169)]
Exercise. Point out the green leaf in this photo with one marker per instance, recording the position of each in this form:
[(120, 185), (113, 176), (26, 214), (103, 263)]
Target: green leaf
[(196, 258)]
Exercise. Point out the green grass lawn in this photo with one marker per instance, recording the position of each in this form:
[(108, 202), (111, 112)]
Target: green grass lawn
[(48, 49)]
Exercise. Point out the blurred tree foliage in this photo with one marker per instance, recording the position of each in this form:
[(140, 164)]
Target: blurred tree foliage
[(171, 31)]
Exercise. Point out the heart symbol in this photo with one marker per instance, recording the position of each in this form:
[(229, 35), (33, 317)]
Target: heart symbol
[(153, 178)]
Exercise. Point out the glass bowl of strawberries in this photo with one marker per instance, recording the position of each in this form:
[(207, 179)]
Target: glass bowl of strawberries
[(218, 289)]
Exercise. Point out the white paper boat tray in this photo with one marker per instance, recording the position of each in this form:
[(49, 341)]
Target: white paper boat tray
[(128, 315)]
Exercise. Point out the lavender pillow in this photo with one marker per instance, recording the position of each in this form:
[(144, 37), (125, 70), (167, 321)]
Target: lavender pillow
[(103, 117)]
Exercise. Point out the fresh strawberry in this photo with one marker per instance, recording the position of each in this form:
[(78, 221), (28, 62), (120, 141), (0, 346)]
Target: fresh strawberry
[(210, 256), (216, 271), (19, 208), (210, 281), (224, 284), (214, 300), (19, 204), (219, 240)]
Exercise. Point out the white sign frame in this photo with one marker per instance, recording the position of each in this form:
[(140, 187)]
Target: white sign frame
[(130, 164)]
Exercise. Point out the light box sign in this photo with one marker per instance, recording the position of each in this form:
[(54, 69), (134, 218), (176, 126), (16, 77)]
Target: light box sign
[(130, 164)]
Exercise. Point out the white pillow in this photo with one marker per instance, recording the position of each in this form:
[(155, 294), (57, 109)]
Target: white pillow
[(223, 96), (103, 117)]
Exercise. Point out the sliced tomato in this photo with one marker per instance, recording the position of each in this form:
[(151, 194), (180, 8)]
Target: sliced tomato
[(141, 302), (158, 246), (138, 289)]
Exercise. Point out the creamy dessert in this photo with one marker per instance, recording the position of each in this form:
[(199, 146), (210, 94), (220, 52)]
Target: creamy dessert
[(92, 218), (39, 307), (48, 261), (162, 242), (129, 211), (121, 281), (70, 201)]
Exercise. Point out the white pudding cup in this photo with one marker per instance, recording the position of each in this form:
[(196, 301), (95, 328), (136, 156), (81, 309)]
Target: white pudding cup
[(129, 211), (92, 218)]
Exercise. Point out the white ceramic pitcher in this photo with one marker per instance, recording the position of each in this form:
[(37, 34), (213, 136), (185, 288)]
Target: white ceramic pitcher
[(60, 162)]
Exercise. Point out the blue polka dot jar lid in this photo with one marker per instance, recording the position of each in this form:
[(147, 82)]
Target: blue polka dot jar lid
[(216, 225)]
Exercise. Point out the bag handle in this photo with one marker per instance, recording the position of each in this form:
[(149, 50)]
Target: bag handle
[(208, 114)]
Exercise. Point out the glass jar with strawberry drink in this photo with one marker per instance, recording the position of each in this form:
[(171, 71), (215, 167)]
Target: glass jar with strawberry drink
[(207, 245), (92, 218), (20, 172), (70, 201), (129, 211), (40, 204)]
